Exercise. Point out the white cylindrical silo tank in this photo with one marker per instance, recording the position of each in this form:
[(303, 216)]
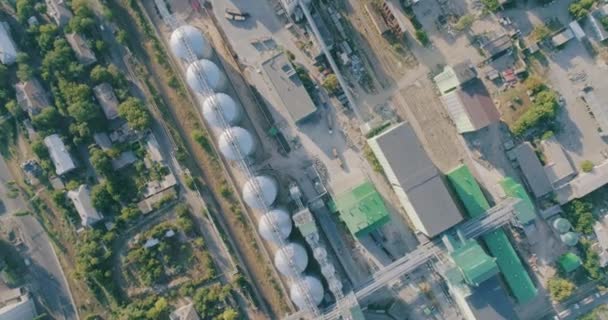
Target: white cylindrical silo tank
[(266, 191), (221, 105), (208, 72), (314, 288), (195, 39), (561, 225), (569, 238), (281, 219), (291, 252), (236, 143)]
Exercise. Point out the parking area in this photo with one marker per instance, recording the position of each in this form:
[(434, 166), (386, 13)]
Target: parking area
[(570, 70)]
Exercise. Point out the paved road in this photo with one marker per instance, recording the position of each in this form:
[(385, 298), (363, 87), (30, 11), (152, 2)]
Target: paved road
[(49, 285)]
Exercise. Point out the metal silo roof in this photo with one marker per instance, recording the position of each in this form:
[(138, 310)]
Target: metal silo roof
[(221, 104), (197, 42), (291, 252), (267, 187), (281, 219), (315, 290), (236, 143), (205, 69)]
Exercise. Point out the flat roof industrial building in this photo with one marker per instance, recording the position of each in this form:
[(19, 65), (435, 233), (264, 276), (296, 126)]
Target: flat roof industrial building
[(362, 209), (497, 242), (415, 179), (289, 87)]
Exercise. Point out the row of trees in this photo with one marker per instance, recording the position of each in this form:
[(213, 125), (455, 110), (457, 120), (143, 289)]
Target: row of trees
[(542, 112)]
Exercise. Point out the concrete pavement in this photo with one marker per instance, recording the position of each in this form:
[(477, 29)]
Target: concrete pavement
[(48, 282)]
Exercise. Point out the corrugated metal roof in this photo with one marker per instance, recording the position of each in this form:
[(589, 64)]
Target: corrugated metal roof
[(510, 266), (532, 169), (475, 264), (452, 77), (558, 167), (468, 191), (411, 172), (569, 262), (362, 209), (524, 209), (498, 244), (471, 107), (82, 202), (8, 49), (583, 184), (59, 154)]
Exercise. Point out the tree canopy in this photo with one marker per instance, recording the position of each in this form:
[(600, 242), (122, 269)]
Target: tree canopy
[(136, 114), (560, 289)]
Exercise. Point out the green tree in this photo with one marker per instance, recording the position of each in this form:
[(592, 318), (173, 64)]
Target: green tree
[(83, 21), (40, 149), (48, 119), (160, 307), (331, 83), (587, 166), (129, 213), (102, 200), (134, 111), (579, 213), (100, 74), (100, 161), (13, 108), (422, 37), (540, 32), (491, 5), (25, 9), (228, 314), (47, 34), (464, 22), (24, 72), (122, 37), (560, 289)]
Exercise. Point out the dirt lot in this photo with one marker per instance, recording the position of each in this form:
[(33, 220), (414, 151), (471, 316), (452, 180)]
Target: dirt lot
[(419, 104), (513, 103)]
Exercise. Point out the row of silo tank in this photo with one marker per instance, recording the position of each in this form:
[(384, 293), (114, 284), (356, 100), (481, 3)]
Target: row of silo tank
[(235, 143)]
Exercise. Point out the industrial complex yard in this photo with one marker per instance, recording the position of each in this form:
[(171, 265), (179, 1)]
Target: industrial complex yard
[(303, 159)]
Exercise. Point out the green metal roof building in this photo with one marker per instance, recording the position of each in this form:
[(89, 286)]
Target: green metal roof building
[(497, 242), (362, 209), (524, 209), (474, 263), (569, 262)]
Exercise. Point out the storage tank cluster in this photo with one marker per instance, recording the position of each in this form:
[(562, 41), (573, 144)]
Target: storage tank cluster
[(568, 237), (236, 143)]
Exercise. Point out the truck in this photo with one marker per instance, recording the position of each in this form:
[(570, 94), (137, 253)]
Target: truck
[(235, 15)]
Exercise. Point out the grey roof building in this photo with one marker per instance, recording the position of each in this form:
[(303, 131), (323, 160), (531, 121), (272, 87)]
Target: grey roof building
[(489, 301), (558, 167), (289, 87), (600, 114), (107, 100), (58, 11), (453, 77), (8, 49), (31, 96), (471, 107), (415, 179), (59, 154), (583, 184), (81, 198), (533, 170), (83, 52), (186, 312), (16, 305)]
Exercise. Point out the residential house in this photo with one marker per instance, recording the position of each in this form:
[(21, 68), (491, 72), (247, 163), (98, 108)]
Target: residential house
[(59, 154), (107, 100), (84, 54), (58, 11), (81, 198), (8, 49), (31, 97)]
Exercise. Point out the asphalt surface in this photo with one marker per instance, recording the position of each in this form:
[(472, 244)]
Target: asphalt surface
[(47, 280)]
